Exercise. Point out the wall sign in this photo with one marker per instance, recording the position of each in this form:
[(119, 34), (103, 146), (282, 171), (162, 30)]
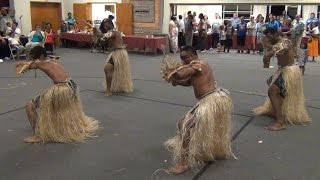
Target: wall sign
[(143, 11)]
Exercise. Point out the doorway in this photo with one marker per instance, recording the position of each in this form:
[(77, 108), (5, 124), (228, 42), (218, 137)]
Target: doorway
[(276, 10), (42, 13)]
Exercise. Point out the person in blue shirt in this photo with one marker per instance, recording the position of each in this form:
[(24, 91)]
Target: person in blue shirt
[(70, 20), (241, 34), (312, 19), (272, 22), (235, 20)]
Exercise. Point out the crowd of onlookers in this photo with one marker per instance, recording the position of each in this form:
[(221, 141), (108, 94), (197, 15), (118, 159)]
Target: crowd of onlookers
[(249, 34)]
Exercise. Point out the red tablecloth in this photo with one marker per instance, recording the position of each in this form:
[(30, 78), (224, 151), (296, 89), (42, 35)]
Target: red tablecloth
[(78, 37), (142, 42)]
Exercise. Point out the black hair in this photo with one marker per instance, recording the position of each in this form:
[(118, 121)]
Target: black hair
[(313, 13), (190, 49), (271, 31), (110, 17), (189, 12), (180, 16), (16, 23), (89, 21), (69, 13), (201, 16), (38, 51), (49, 24), (173, 18)]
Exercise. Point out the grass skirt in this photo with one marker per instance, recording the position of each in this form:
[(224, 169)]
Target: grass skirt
[(121, 80), (293, 106), (60, 117), (210, 135)]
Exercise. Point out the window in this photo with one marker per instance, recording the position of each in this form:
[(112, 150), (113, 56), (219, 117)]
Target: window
[(242, 10)]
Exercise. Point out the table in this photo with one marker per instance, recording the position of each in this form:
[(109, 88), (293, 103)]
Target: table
[(77, 37), (144, 43)]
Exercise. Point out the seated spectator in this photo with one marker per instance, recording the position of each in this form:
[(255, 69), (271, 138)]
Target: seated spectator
[(70, 20), (63, 27), (36, 38), (4, 20), (4, 49), (89, 26), (15, 29), (15, 42), (49, 42), (8, 28)]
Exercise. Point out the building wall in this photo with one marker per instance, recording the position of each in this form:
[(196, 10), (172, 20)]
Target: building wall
[(22, 8)]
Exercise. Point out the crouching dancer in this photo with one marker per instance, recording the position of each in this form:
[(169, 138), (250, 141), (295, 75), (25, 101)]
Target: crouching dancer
[(56, 114), (204, 133), (285, 102)]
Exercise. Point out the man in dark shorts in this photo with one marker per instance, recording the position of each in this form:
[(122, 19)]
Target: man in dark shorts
[(241, 35)]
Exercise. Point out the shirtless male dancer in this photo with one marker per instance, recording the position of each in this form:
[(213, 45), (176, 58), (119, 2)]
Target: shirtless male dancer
[(204, 132), (285, 100), (117, 68), (56, 114)]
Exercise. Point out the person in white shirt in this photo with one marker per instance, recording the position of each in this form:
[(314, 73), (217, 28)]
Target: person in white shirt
[(216, 23), (251, 35), (4, 20), (15, 42), (259, 29), (181, 40), (15, 29), (296, 33)]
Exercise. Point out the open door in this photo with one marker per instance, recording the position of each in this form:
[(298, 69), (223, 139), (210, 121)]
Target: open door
[(124, 18)]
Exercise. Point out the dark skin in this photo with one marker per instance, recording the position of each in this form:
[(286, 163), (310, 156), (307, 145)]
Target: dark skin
[(115, 42), (57, 73), (284, 59), (202, 82)]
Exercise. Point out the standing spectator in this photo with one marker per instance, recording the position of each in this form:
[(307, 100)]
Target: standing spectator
[(251, 35), (36, 38), (15, 29), (296, 33), (202, 29), (181, 41), (272, 22), (278, 19), (223, 39), (208, 41), (173, 34), (235, 20), (302, 56), (312, 19), (188, 34), (216, 23), (187, 17), (286, 28), (70, 20), (313, 41), (258, 18), (259, 29), (229, 34), (241, 34), (4, 20), (284, 16)]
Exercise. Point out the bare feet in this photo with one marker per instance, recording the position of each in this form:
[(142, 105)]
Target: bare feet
[(32, 139), (276, 126), (108, 93), (178, 169)]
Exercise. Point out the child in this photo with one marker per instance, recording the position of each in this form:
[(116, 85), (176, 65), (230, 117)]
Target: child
[(302, 56), (8, 28), (15, 42), (223, 39)]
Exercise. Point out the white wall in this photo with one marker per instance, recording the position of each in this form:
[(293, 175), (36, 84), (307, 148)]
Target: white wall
[(98, 11), (166, 5), (69, 3), (208, 10), (22, 7)]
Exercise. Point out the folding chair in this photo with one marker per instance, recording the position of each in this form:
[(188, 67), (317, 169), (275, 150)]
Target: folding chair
[(14, 53)]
